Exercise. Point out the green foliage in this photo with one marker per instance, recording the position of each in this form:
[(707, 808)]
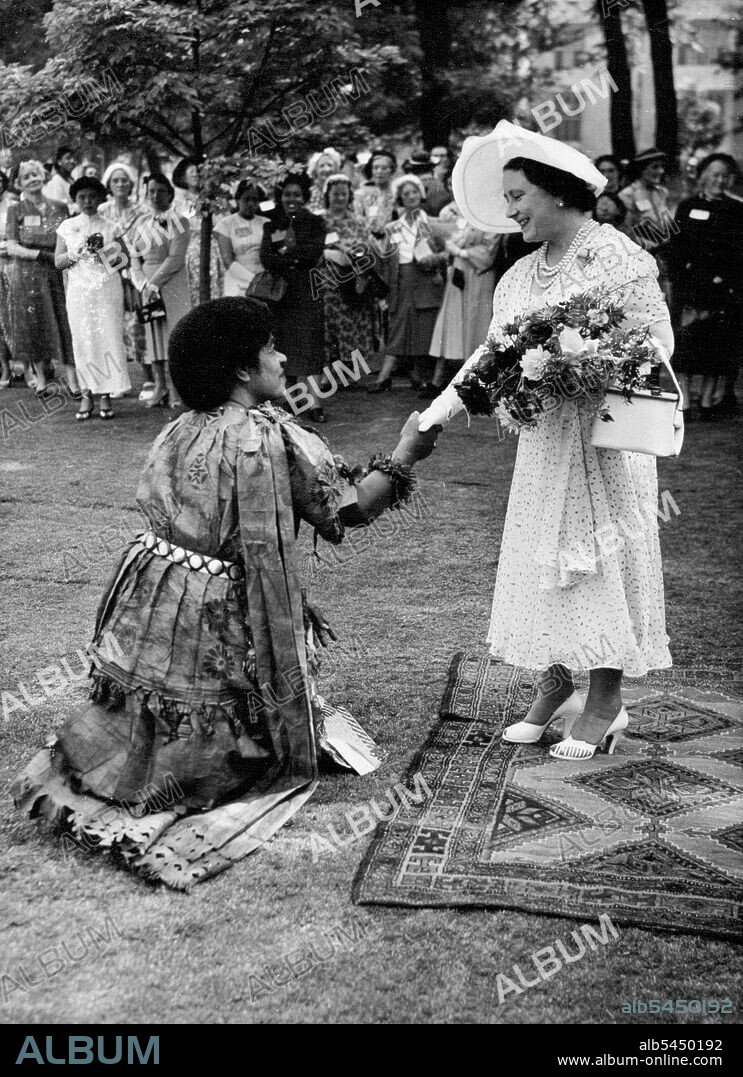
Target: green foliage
[(700, 123), (196, 75)]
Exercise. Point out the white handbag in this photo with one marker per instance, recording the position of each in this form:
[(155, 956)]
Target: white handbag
[(651, 422)]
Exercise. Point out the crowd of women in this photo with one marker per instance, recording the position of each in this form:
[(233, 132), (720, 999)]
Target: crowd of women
[(376, 259)]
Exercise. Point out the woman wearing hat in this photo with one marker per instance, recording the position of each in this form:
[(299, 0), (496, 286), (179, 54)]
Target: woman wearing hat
[(706, 264), (319, 167), (413, 260), (649, 213), (124, 211), (606, 617), (95, 299), (201, 734)]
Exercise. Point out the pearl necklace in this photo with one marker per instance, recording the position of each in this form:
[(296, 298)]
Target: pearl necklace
[(541, 269)]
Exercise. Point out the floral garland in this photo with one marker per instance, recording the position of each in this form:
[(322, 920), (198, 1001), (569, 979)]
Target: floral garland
[(564, 351)]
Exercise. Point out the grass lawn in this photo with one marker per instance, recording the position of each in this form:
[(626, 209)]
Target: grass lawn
[(417, 593)]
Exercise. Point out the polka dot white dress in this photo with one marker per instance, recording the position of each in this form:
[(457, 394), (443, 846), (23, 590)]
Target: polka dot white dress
[(579, 577)]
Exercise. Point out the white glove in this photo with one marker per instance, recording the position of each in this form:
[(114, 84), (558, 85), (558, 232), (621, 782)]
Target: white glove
[(441, 410), (664, 354)]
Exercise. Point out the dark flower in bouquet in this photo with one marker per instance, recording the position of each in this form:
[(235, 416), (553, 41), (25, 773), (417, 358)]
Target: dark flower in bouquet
[(476, 395), (94, 242)]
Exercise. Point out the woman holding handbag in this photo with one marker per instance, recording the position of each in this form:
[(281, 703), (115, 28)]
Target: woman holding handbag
[(124, 211), (158, 271), (463, 320), (293, 243), (413, 260), (239, 238), (606, 614)]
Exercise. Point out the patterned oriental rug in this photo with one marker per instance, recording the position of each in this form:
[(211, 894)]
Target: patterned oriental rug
[(652, 834)]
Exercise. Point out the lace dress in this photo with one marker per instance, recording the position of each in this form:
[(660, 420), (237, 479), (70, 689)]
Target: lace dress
[(95, 308), (579, 578)]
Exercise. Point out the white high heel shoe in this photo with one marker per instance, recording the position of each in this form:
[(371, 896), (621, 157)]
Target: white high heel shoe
[(581, 749), (528, 733)]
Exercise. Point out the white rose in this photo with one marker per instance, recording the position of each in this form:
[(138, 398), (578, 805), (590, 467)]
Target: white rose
[(533, 363), (571, 342)]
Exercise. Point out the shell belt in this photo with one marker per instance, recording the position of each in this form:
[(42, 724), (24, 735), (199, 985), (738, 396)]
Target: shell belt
[(197, 562)]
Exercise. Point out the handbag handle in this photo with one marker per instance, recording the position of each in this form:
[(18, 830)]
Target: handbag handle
[(664, 358)]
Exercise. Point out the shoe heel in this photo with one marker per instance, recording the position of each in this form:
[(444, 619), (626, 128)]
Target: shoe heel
[(612, 741)]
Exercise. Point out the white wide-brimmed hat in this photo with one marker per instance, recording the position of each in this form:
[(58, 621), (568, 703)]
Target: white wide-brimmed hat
[(407, 177), (477, 180)]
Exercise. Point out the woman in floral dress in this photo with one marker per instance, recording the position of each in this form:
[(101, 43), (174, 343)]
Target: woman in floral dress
[(200, 736), (606, 614), (37, 317), (348, 309)]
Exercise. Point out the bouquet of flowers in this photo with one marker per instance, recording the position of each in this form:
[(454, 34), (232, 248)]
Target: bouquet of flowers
[(562, 352)]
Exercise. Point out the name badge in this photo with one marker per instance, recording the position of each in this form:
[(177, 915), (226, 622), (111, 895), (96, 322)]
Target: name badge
[(699, 214), (276, 237), (32, 222), (644, 205)]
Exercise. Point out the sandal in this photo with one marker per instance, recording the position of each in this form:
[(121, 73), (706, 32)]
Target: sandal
[(106, 412), (85, 413)]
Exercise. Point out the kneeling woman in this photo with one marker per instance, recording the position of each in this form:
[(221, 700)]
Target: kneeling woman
[(211, 705)]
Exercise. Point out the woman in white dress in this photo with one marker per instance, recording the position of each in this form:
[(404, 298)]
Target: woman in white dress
[(95, 299), (239, 237), (550, 613)]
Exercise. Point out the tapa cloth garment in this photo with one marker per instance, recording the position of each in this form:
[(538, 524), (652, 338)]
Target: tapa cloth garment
[(209, 684)]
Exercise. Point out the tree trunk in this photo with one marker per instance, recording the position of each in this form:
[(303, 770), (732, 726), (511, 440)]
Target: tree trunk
[(661, 54), (434, 33), (205, 259), (622, 132)]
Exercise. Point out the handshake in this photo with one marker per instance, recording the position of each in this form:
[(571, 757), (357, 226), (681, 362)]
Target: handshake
[(414, 444)]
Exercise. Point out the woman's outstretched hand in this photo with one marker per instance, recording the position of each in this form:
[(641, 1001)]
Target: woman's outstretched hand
[(413, 444), (436, 416)]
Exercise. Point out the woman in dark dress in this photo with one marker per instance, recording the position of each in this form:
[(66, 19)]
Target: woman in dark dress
[(706, 265), (293, 243), (200, 736)]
